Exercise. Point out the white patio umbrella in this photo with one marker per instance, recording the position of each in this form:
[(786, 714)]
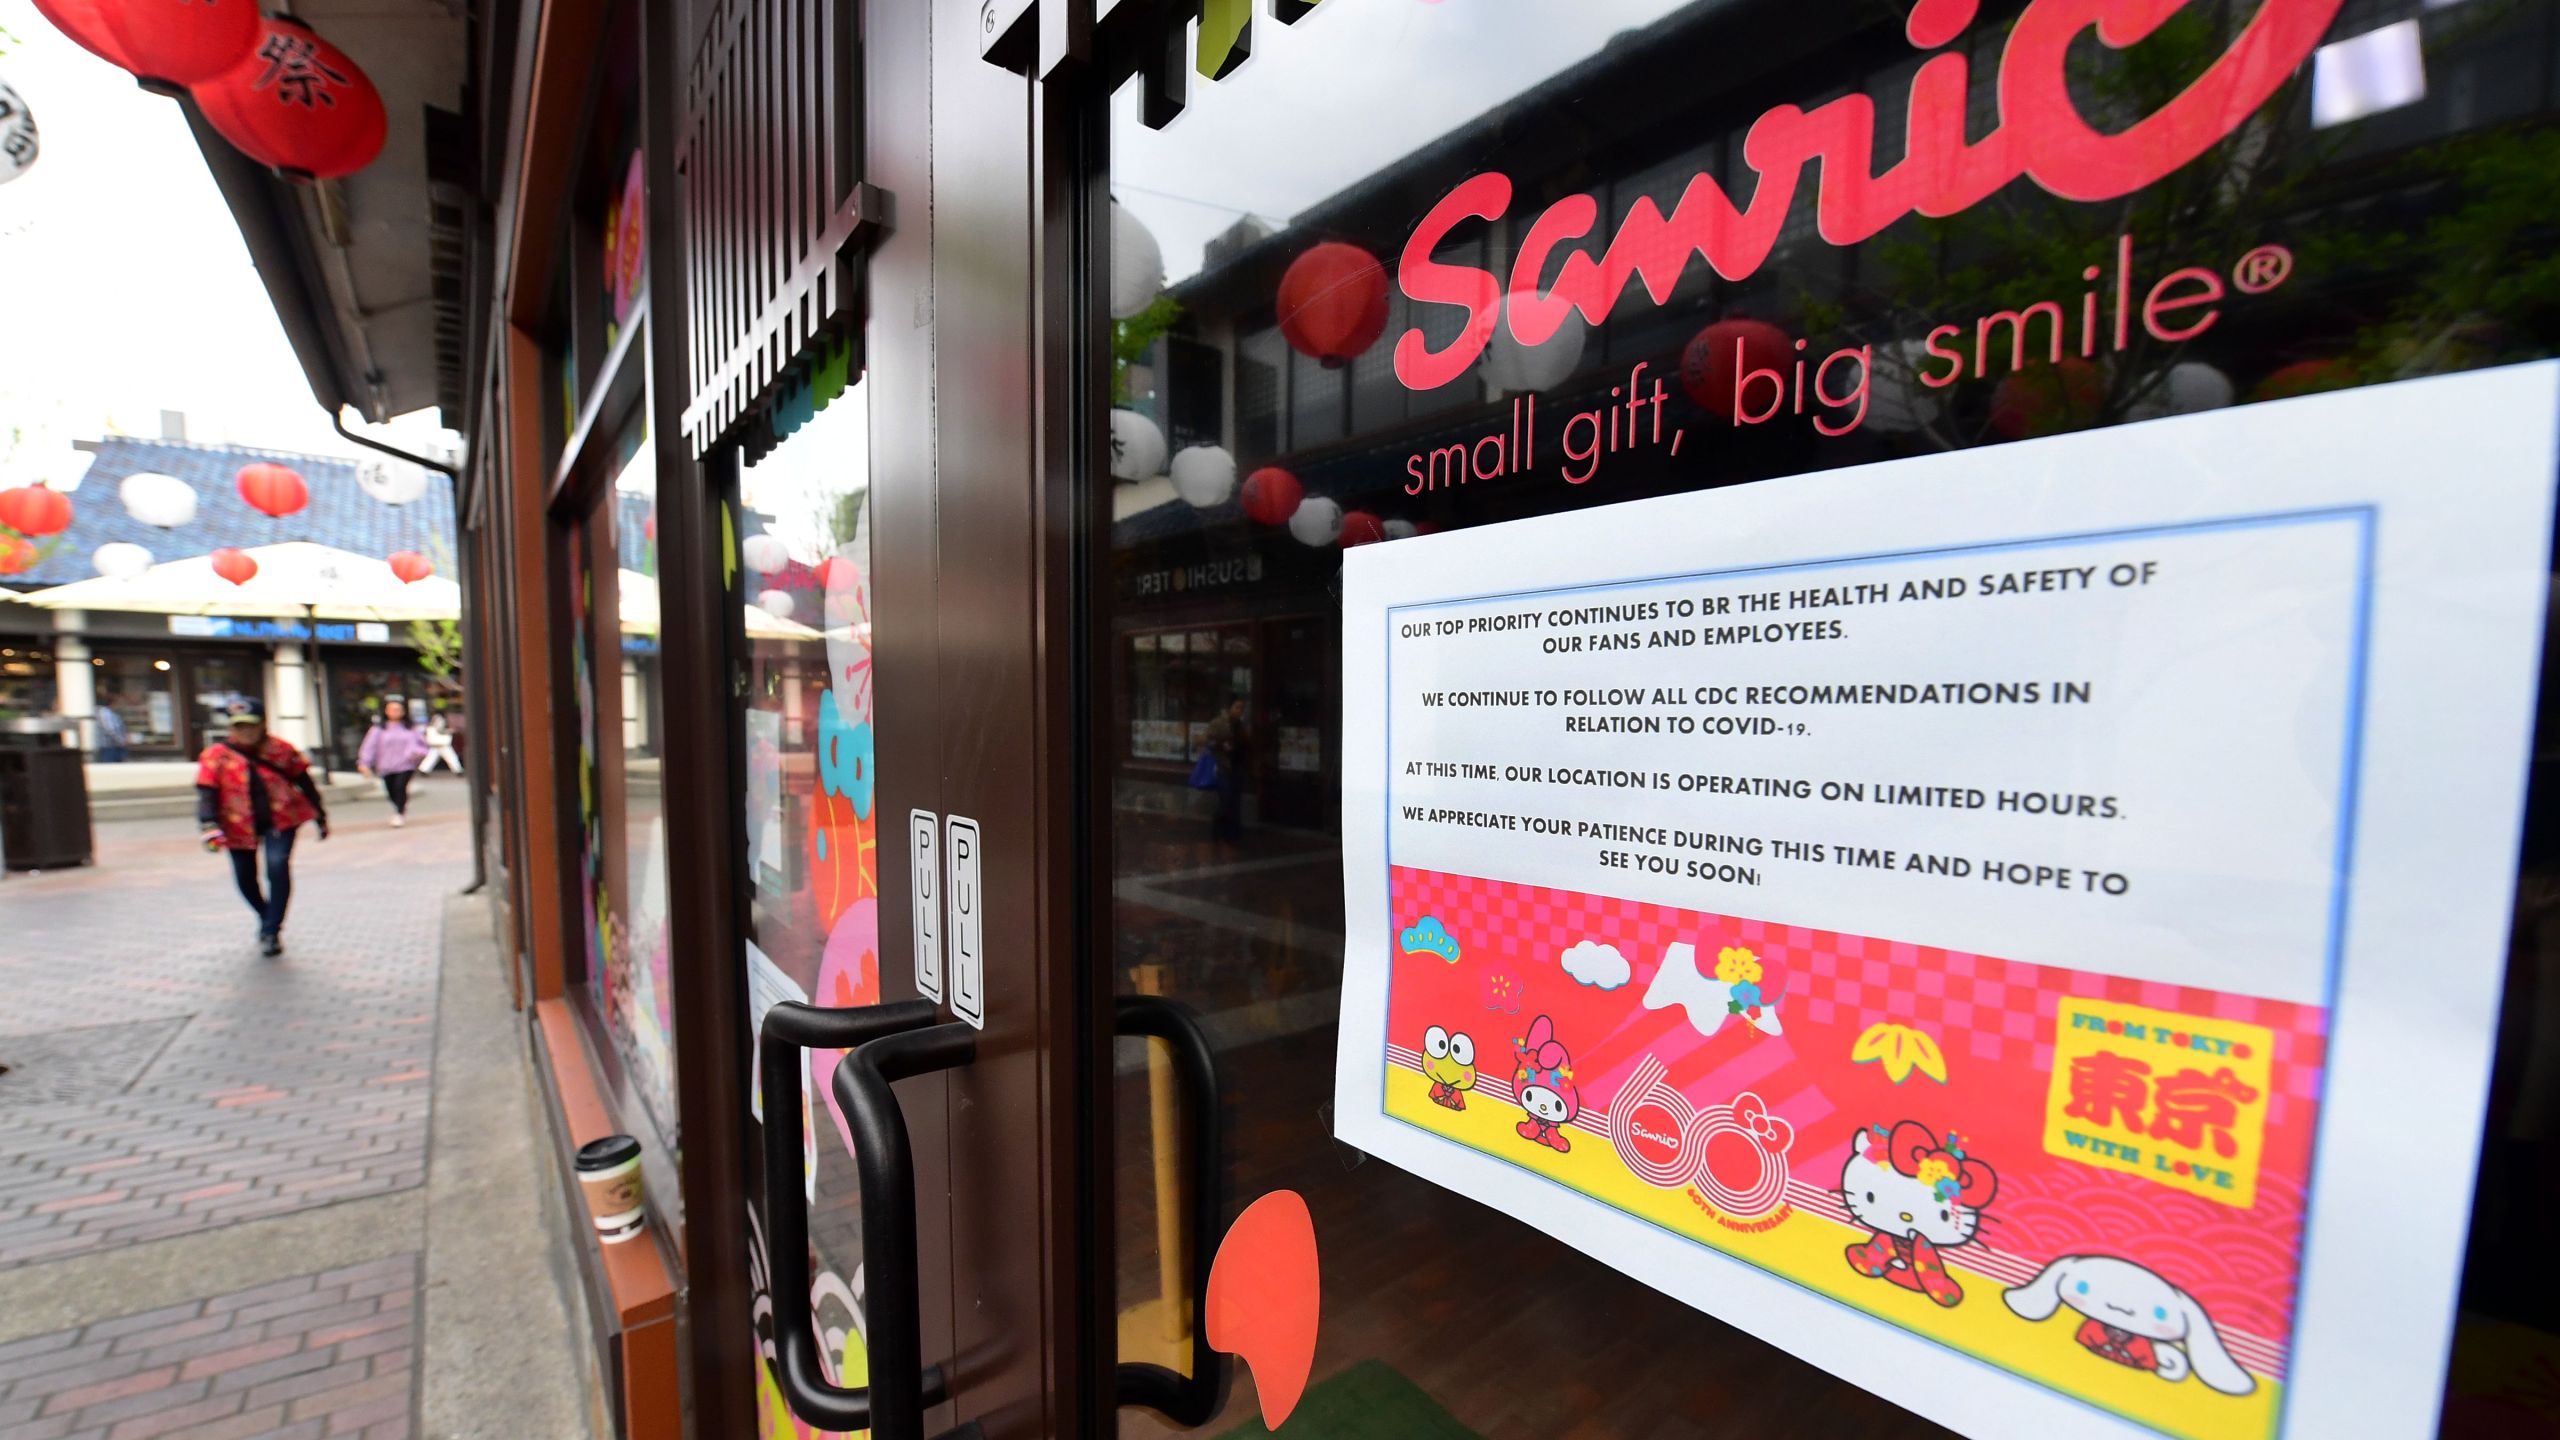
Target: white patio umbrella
[(297, 580)]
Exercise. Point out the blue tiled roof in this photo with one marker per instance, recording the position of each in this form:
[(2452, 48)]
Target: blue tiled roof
[(339, 514)]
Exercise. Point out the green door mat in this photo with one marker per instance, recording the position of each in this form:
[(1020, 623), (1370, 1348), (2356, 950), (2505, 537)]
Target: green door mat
[(1370, 1401)]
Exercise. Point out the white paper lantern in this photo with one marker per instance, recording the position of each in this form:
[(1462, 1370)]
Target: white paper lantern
[(1512, 366), (848, 615), (162, 500), (393, 482), (19, 143), (2191, 386), (1137, 266), (1318, 521), (776, 603), (764, 554), (121, 559), (1897, 403), (1137, 447), (1204, 475), (1399, 529)]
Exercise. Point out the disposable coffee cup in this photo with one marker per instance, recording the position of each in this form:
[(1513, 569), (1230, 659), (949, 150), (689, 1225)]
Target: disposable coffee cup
[(614, 1229), (609, 1177)]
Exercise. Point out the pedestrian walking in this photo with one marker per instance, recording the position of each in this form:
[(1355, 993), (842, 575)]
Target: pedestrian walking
[(440, 746), (253, 792), (1231, 746), (392, 752), (114, 741)]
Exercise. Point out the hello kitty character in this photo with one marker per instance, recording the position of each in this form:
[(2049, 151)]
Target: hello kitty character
[(1918, 1198), (2135, 1319), (1544, 1083)]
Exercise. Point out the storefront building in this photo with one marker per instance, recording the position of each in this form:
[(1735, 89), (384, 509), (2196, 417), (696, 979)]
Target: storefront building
[(1790, 719), (174, 678)]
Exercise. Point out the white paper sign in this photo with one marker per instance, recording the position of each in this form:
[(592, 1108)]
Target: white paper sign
[(768, 986), (1959, 919)]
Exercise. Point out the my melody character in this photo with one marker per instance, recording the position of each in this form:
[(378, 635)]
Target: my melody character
[(1920, 1198), (1450, 1062), (1544, 1083), (2134, 1318)]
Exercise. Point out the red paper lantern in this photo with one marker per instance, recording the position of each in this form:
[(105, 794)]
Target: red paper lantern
[(234, 565), (80, 21), (411, 566), (171, 44), (35, 510), (273, 489), (17, 555), (1359, 527), (2048, 399), (1271, 495), (2304, 377), (297, 105), (1333, 302), (1717, 356)]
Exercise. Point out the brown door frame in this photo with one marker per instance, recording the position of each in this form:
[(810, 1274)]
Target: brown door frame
[(1020, 205)]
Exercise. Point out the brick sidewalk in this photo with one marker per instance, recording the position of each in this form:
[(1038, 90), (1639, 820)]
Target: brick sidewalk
[(318, 1355), (164, 1080)]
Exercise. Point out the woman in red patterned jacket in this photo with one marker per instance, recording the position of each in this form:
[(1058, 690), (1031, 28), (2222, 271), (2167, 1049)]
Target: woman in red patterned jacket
[(253, 791)]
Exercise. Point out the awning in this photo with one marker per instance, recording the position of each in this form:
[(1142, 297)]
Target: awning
[(295, 580)]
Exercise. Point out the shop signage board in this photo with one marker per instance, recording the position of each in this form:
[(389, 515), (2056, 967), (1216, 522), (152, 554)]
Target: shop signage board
[(2020, 928)]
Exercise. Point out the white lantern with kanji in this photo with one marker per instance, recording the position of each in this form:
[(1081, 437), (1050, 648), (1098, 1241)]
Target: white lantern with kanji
[(1204, 475), (154, 499), (1137, 447), (121, 559), (1318, 521), (393, 482)]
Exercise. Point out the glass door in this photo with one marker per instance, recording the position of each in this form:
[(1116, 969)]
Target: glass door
[(800, 576), (1421, 276)]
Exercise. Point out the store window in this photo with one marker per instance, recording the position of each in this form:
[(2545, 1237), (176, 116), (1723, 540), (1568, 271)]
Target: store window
[(613, 657), (26, 679), (143, 691), (1419, 285)]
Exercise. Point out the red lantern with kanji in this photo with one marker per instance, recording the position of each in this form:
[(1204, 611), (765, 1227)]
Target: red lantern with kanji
[(2048, 399), (1333, 302), (234, 565), (35, 510), (1718, 355), (2304, 377), (172, 44), (411, 566), (1359, 527), (81, 21), (273, 489), (297, 105), (1271, 495)]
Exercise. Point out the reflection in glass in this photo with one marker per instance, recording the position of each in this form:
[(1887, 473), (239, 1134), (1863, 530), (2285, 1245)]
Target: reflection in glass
[(802, 563), (2379, 217)]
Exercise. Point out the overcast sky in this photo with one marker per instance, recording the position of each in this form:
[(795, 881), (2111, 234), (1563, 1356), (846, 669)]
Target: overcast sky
[(1185, 183), (127, 290)]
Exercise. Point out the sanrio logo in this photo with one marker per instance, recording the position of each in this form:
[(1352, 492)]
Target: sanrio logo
[(1656, 1132), (2042, 136), (1734, 1154)]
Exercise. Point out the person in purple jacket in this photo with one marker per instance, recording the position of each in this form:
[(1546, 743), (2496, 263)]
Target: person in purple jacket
[(393, 750)]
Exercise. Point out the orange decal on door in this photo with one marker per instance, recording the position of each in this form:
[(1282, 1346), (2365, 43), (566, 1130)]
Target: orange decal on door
[(1264, 1296)]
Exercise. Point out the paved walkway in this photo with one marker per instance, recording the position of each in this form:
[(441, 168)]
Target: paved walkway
[(217, 1220)]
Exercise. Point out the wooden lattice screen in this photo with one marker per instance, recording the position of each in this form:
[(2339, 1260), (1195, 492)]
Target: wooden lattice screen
[(776, 214)]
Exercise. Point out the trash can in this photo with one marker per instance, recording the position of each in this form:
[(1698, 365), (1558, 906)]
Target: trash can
[(44, 796)]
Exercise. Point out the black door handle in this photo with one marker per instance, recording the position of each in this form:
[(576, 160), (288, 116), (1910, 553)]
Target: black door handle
[(886, 1042), (1193, 1399)]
